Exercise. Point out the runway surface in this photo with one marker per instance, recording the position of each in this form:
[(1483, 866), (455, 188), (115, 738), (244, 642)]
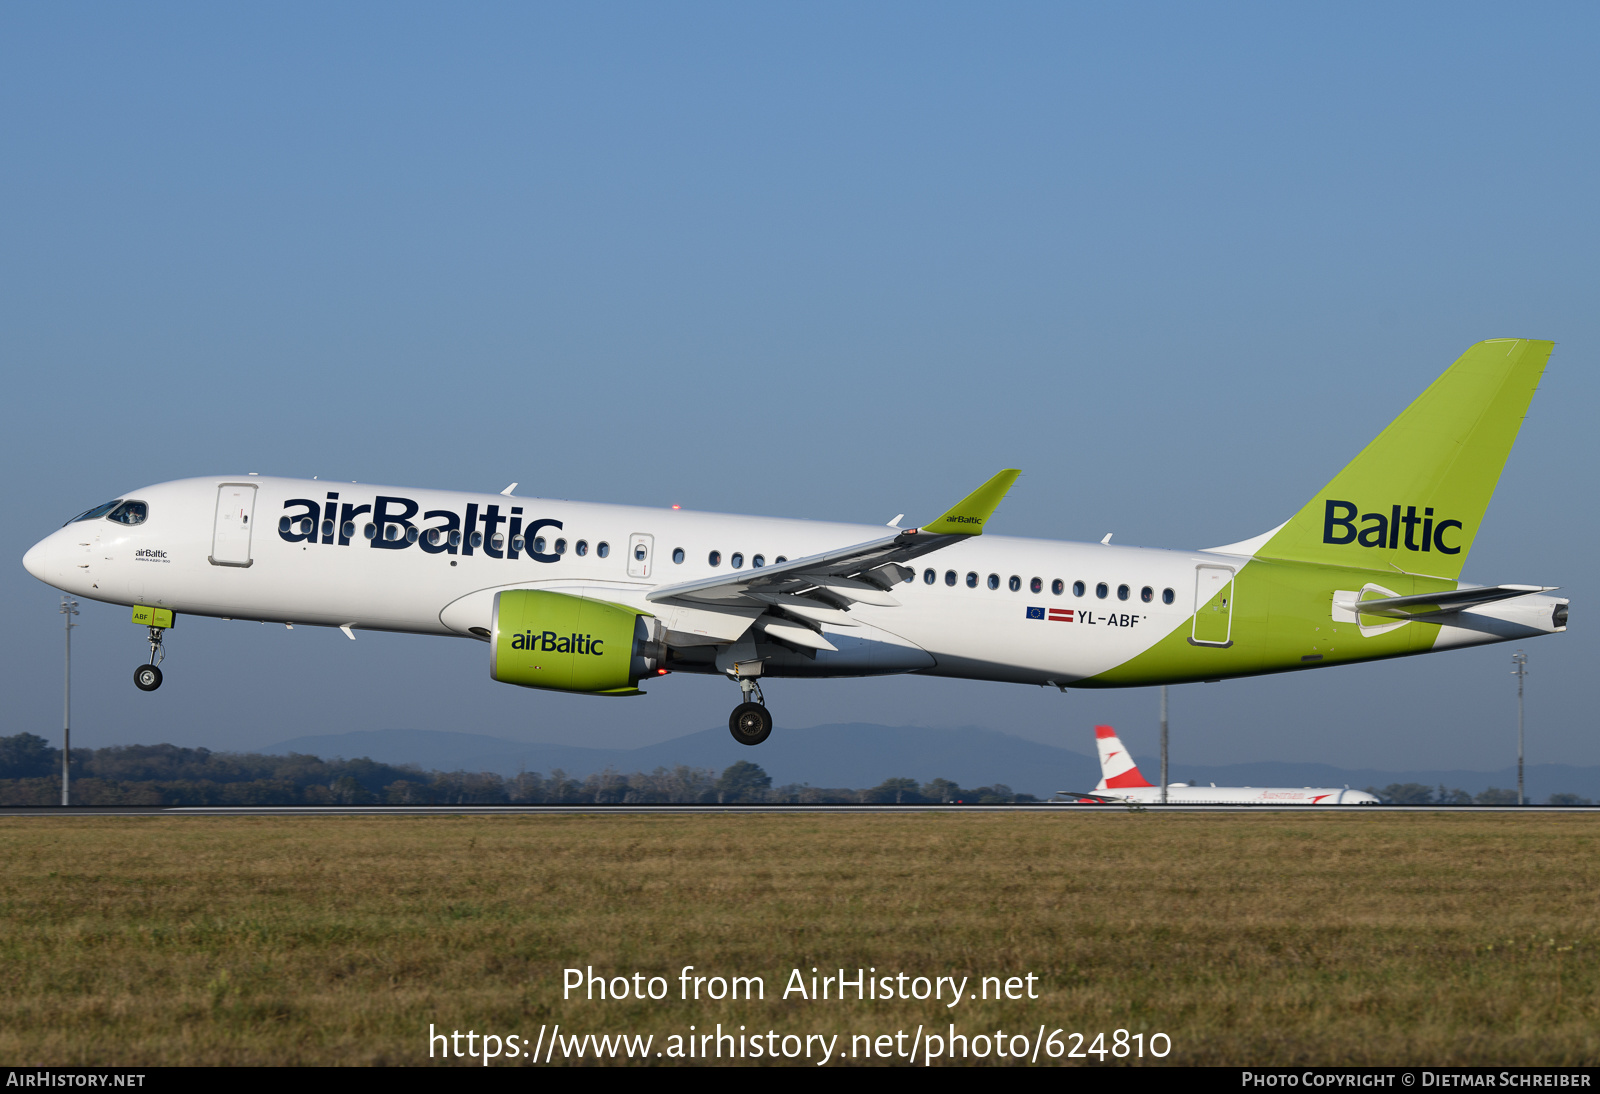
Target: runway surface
[(47, 811)]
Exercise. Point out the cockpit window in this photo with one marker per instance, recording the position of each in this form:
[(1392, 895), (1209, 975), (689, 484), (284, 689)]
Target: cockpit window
[(129, 512), (96, 513)]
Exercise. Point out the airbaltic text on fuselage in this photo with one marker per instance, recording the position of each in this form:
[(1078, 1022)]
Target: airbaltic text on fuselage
[(388, 526), (1385, 529)]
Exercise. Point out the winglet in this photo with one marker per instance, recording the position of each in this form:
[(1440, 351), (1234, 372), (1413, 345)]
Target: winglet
[(967, 517)]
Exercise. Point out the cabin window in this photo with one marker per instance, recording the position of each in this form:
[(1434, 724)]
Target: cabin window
[(1058, 586), (994, 581), (517, 543), (758, 561), (972, 580), (929, 577), (779, 561), (476, 539), (1102, 590), (736, 560), (1122, 592), (1036, 585), (1167, 596), (498, 541), (949, 577), (391, 532), (602, 548), (677, 555), (538, 543), (561, 546), (411, 534), (455, 537), (715, 558), (370, 531), (641, 552), (1015, 583), (1147, 594), (582, 547), (1077, 588), (327, 530)]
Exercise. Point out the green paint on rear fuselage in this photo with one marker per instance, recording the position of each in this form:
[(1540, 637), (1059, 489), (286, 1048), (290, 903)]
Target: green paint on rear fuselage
[(1282, 619)]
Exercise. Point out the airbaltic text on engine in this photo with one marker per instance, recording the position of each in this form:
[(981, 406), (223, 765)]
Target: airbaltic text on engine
[(550, 642)]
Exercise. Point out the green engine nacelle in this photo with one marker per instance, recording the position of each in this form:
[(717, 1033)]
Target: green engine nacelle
[(570, 643)]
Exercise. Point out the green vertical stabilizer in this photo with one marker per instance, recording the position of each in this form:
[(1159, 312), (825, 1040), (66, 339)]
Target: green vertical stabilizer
[(1413, 500)]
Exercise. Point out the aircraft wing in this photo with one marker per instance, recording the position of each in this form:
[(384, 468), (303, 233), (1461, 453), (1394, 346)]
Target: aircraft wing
[(1458, 600), (820, 587)]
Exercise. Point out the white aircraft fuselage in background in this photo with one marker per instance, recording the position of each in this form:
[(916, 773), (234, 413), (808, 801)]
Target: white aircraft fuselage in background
[(1121, 782)]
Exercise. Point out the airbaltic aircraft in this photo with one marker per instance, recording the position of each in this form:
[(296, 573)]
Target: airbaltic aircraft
[(597, 598), (1120, 782)]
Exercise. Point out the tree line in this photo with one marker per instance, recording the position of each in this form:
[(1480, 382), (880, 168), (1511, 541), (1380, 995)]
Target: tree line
[(30, 774), (1422, 794)]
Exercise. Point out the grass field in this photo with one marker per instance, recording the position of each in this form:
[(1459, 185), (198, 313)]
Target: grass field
[(1255, 939)]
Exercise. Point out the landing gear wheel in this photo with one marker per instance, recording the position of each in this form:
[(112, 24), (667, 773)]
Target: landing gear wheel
[(750, 723), (147, 678)]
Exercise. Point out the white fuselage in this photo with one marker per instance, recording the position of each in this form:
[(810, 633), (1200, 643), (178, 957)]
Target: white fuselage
[(951, 630), (1185, 794)]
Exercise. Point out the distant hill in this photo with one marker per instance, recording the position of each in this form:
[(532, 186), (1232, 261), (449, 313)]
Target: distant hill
[(836, 755), (859, 754)]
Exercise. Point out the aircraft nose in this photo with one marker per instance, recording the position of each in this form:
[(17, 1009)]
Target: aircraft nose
[(42, 560)]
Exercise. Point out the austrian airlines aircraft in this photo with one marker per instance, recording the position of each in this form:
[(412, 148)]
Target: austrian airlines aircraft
[(1120, 781), (597, 598)]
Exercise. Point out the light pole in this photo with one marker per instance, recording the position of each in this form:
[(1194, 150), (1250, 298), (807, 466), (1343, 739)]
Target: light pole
[(69, 608), (1163, 744), (1520, 661)]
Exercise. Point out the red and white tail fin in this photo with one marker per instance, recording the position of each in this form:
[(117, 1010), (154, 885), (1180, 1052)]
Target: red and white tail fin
[(1117, 769)]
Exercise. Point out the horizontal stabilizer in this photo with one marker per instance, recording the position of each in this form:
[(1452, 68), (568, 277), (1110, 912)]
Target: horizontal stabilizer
[(1409, 607)]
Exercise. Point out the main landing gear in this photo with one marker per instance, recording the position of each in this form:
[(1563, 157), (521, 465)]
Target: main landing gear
[(148, 677), (751, 722)]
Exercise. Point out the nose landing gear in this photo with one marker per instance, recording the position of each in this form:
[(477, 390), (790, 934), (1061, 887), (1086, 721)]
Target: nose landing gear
[(148, 677), (751, 722)]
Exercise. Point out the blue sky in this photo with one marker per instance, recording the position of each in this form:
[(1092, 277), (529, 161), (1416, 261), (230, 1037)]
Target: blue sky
[(1178, 263)]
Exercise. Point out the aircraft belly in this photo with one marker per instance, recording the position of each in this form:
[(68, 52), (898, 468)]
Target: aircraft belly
[(862, 650)]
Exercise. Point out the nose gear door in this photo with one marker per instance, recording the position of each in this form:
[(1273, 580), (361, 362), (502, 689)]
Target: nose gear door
[(230, 536)]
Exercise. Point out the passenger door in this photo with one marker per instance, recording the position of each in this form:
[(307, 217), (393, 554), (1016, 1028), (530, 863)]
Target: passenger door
[(230, 535), (1213, 606)]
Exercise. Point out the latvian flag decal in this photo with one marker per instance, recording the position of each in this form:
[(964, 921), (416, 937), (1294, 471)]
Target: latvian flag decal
[(1057, 615)]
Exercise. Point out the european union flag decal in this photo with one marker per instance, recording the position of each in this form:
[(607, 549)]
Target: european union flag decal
[(1035, 613)]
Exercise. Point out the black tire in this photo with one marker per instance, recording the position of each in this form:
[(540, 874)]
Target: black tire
[(147, 678), (750, 723)]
